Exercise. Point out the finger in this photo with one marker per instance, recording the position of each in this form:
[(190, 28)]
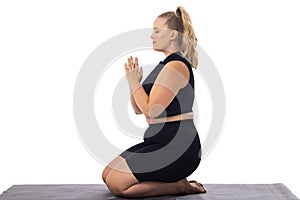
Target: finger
[(141, 71), (136, 64), (131, 62), (126, 67)]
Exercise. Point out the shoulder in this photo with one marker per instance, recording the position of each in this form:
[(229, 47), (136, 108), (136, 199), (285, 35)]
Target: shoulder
[(180, 67)]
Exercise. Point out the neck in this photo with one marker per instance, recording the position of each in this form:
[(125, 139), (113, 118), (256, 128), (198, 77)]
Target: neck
[(174, 47), (167, 53)]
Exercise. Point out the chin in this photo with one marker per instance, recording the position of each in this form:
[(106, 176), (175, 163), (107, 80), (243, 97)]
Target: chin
[(157, 49)]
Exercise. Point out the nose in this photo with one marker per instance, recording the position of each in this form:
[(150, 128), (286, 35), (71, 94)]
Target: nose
[(151, 36)]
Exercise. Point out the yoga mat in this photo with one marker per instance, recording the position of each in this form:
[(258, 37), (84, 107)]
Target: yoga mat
[(276, 191)]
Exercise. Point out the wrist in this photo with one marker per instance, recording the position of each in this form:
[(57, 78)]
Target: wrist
[(134, 86)]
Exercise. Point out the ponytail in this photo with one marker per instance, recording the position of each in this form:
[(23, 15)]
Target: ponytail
[(180, 20), (189, 39)]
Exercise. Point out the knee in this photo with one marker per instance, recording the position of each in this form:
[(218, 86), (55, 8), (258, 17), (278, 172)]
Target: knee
[(103, 176), (105, 172), (115, 188)]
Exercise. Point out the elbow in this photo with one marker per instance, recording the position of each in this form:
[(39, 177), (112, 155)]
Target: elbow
[(138, 112), (154, 111)]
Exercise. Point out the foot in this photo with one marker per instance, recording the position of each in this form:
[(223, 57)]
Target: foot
[(198, 185), (192, 187)]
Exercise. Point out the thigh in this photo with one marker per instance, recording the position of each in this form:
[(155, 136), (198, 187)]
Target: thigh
[(120, 176), (140, 147), (134, 149), (111, 166), (141, 165), (179, 168)]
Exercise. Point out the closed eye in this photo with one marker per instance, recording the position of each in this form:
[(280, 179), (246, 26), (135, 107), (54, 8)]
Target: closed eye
[(156, 30)]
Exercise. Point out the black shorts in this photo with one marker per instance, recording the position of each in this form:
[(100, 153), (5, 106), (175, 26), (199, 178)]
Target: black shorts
[(170, 152)]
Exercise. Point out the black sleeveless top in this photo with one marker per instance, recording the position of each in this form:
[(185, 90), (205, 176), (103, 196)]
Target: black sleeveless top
[(183, 101)]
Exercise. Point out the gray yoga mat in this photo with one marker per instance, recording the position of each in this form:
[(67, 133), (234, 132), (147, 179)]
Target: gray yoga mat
[(276, 191)]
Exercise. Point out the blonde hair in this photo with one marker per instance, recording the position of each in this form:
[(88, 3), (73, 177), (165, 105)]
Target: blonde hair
[(180, 20)]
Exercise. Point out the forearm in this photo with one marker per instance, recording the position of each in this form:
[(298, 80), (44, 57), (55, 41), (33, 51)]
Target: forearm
[(133, 104), (141, 98)]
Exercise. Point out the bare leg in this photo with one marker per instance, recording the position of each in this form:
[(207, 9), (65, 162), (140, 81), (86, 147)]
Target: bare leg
[(122, 182), (148, 189), (111, 166)]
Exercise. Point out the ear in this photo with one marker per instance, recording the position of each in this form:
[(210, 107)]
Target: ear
[(174, 35)]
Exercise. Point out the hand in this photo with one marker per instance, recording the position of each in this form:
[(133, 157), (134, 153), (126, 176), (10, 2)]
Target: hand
[(134, 73)]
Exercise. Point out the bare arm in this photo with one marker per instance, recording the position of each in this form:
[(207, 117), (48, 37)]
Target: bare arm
[(170, 80), (133, 104)]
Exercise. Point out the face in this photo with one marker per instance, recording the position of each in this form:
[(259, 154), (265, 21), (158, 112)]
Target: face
[(161, 36)]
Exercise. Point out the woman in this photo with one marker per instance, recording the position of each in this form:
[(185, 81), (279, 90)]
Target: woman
[(166, 98)]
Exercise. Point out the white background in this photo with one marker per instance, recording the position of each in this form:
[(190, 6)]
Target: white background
[(254, 45)]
